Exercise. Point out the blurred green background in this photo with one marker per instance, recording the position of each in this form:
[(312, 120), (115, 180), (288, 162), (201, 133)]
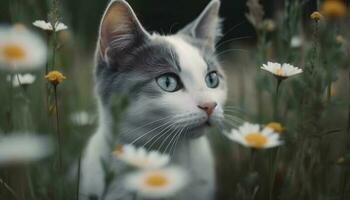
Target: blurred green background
[(249, 89)]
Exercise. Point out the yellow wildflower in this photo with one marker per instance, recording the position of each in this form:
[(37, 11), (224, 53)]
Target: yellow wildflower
[(55, 77), (277, 127), (333, 8), (316, 16)]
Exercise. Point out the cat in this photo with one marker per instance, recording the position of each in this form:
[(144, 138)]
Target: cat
[(175, 87)]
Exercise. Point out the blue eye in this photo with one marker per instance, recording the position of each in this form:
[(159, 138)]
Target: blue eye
[(169, 82), (212, 79)]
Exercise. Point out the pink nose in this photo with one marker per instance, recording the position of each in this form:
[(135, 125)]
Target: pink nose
[(208, 107)]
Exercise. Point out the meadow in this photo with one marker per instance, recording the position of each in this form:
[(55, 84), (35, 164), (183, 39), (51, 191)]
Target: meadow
[(292, 76)]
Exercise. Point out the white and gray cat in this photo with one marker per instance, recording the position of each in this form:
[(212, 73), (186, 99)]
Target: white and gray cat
[(176, 90)]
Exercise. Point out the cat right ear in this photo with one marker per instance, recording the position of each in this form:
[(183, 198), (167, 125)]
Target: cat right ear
[(120, 30)]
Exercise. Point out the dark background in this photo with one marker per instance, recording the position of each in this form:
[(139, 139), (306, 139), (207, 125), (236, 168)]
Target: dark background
[(164, 16)]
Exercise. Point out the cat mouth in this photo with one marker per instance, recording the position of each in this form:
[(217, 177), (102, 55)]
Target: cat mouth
[(206, 123)]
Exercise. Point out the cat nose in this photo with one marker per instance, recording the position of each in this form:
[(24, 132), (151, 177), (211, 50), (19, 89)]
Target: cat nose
[(208, 107)]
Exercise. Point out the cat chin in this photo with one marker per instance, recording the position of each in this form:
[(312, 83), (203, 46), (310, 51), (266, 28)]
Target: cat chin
[(198, 131)]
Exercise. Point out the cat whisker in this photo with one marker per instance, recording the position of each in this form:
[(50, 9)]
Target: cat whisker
[(150, 123), (165, 139), (231, 123), (234, 107), (160, 134), (172, 148), (172, 139), (157, 127), (176, 136), (229, 50), (162, 125), (231, 40), (178, 139), (235, 114), (234, 119), (231, 29)]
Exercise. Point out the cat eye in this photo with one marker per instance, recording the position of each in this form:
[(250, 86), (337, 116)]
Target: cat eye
[(212, 79), (169, 82)]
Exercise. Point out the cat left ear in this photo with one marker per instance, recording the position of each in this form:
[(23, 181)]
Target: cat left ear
[(120, 30), (207, 27)]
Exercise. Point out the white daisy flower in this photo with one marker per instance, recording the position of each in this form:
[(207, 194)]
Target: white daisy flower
[(252, 135), (282, 71), (140, 157), (21, 49), (21, 148), (160, 183), (47, 26), (82, 118), (19, 79)]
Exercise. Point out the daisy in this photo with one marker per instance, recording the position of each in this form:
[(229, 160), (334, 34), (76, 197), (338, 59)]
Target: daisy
[(281, 71), (19, 79), (47, 26), (21, 49), (82, 118), (21, 148), (139, 157), (251, 135), (160, 183)]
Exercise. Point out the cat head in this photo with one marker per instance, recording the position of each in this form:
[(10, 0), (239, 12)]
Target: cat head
[(173, 82)]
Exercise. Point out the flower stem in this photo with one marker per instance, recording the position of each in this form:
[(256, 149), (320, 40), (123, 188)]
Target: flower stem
[(329, 92), (252, 159), (78, 178), (274, 163), (348, 125), (346, 173), (47, 88), (48, 43), (275, 113), (8, 188), (20, 84), (54, 50), (9, 112), (58, 129)]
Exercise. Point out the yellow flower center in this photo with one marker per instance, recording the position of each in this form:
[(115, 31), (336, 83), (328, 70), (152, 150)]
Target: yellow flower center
[(275, 126), (279, 72), (156, 179), (13, 52), (256, 140)]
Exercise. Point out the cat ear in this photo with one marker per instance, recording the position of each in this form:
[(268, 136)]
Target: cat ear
[(120, 30), (207, 27)]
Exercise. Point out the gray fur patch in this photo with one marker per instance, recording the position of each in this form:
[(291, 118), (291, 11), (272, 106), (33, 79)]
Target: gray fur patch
[(133, 71)]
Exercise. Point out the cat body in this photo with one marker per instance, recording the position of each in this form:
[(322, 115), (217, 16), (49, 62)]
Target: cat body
[(176, 89)]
